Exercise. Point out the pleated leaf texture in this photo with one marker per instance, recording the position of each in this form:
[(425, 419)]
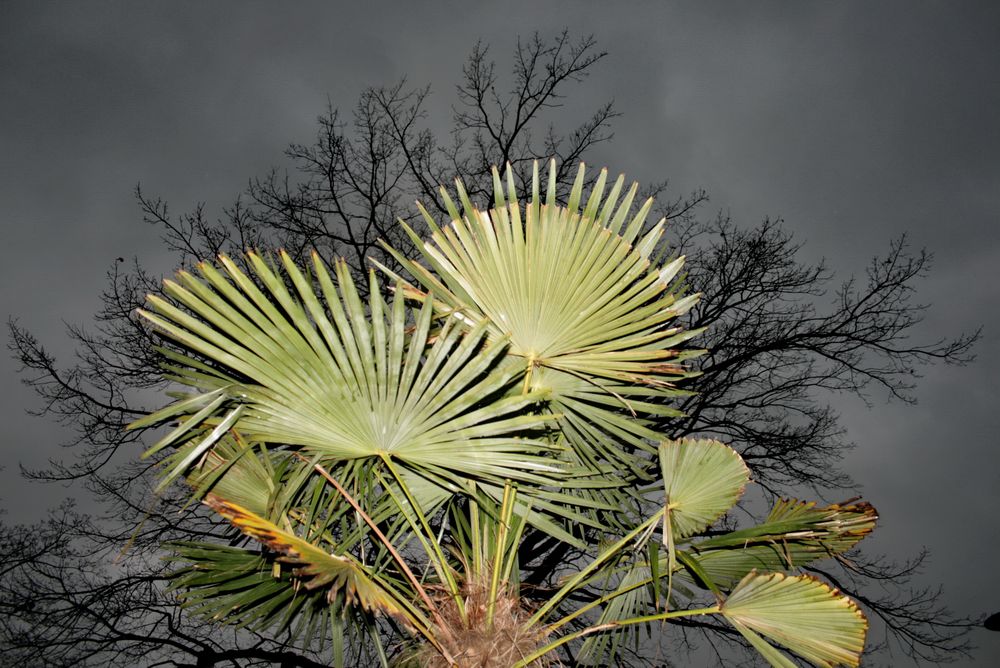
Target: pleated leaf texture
[(315, 567), (702, 480), (589, 315), (574, 289), (796, 533), (801, 613), (312, 367)]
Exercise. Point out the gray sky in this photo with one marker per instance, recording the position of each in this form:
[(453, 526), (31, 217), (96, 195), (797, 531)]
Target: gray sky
[(855, 122)]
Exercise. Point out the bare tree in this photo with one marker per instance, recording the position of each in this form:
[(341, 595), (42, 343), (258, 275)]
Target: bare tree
[(93, 591)]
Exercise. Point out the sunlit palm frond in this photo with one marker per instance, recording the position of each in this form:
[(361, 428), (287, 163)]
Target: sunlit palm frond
[(293, 367), (574, 291), (801, 613), (702, 479)]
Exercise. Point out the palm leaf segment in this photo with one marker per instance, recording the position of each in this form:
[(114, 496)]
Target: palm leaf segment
[(801, 613), (316, 568), (576, 293), (703, 479), (290, 367), (795, 534)]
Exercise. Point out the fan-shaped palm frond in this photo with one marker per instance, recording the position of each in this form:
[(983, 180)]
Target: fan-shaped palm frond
[(239, 587), (315, 568), (287, 369), (800, 613), (568, 289), (702, 479), (575, 292)]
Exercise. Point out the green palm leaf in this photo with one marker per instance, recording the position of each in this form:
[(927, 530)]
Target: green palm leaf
[(314, 371), (801, 613), (636, 600), (569, 291), (574, 291), (236, 586), (703, 479), (336, 574), (236, 471), (795, 533)]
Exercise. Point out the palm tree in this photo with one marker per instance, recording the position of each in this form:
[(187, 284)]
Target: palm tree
[(384, 459)]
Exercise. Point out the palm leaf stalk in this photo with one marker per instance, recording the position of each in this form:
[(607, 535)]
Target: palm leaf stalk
[(386, 460)]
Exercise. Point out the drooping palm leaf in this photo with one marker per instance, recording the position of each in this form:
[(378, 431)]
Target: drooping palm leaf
[(599, 649), (838, 526), (801, 613), (336, 574), (239, 587), (795, 533), (243, 587)]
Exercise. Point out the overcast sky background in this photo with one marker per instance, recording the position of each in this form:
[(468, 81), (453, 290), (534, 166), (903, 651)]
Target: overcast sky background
[(854, 122)]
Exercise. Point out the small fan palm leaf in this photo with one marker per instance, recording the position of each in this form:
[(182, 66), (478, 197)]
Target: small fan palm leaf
[(702, 479), (800, 613)]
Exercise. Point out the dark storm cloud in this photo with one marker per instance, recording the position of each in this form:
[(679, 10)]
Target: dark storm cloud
[(856, 122)]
